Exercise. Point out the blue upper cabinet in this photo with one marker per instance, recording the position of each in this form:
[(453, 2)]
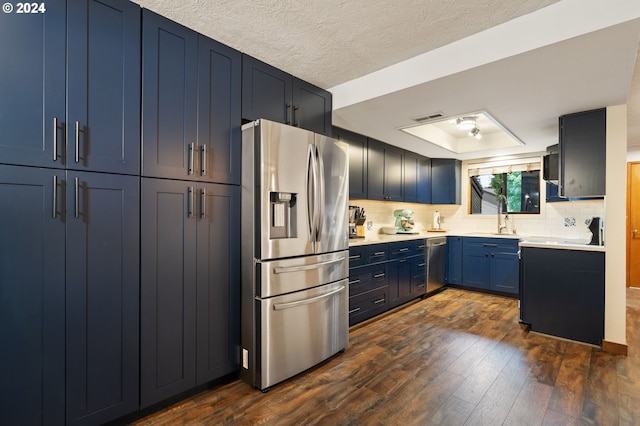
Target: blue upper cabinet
[(32, 111), (191, 104), (71, 91), (270, 93), (357, 161), (445, 181), (385, 172), (219, 107), (312, 107), (103, 86), (583, 142), (170, 96)]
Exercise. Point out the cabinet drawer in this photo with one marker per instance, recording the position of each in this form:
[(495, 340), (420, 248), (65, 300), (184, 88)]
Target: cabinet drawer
[(401, 249), (418, 285), (418, 266), (367, 278), (368, 304), (421, 246), (357, 256), (377, 253)]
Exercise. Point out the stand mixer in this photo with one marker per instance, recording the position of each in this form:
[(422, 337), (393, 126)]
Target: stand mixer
[(404, 223)]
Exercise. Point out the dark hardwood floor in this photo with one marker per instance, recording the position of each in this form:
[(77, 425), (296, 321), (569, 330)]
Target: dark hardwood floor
[(456, 358)]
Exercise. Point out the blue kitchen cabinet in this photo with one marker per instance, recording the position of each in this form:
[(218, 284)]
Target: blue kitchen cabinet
[(400, 270), (275, 95), (491, 264), (32, 110), (552, 193), (103, 86), (170, 98), (189, 286), (357, 161), (505, 269), (453, 268), (385, 177), (416, 178), (424, 181), (32, 306), (582, 144), (476, 263), (418, 276), (102, 296), (71, 86), (445, 181), (562, 293), (191, 89), (219, 109), (78, 265)]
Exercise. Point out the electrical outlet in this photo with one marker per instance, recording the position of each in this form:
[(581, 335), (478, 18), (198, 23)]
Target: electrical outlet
[(245, 359), (369, 226)]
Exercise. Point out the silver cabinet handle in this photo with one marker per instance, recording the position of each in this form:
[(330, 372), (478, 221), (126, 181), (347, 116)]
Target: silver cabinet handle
[(403, 249), (379, 253), (191, 154), (289, 107), (77, 142), (55, 195), (378, 301), (77, 206), (190, 202), (379, 275), (354, 257), (295, 120), (354, 311), (203, 203), (280, 306), (203, 160), (354, 282), (285, 269), (55, 141)]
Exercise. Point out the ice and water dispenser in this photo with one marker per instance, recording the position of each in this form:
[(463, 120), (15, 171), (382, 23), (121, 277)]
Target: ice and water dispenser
[(283, 215)]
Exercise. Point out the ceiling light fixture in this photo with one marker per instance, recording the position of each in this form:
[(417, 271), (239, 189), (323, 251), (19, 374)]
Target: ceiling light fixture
[(475, 132), (466, 123)]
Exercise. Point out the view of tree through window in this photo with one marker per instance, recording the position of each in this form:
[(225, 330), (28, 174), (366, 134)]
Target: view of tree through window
[(521, 189)]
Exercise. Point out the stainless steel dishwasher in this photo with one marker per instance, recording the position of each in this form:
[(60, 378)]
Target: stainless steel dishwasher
[(436, 260)]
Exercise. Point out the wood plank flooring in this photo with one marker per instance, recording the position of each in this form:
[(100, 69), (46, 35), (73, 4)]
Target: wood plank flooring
[(457, 358)]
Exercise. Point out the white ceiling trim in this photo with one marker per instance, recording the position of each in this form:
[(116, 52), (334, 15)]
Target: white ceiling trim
[(561, 21)]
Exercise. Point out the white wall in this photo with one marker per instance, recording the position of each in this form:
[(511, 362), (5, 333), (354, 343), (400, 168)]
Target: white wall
[(615, 226), (633, 155)]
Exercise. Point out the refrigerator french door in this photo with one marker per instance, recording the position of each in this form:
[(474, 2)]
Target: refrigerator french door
[(294, 251)]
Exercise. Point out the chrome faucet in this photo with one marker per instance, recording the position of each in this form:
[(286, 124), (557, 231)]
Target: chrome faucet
[(502, 225)]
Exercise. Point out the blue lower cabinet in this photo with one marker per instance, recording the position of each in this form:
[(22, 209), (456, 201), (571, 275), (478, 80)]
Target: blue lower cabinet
[(453, 268), (399, 282), (491, 264)]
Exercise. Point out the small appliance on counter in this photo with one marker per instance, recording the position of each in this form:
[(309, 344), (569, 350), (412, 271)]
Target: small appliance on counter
[(404, 222), (357, 219), (596, 226)]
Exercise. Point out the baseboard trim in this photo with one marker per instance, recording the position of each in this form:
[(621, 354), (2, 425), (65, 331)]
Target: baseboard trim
[(615, 348)]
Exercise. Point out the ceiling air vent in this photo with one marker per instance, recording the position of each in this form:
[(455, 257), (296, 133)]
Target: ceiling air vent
[(429, 117)]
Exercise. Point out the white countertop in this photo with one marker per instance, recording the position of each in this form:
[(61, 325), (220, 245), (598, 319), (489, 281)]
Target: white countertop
[(525, 240)]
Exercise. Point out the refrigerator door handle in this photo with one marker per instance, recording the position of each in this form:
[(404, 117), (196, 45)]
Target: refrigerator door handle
[(280, 306), (311, 191), (320, 194), (286, 269)]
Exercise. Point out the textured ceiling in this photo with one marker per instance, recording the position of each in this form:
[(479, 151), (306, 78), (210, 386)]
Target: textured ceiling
[(524, 61), (328, 42)]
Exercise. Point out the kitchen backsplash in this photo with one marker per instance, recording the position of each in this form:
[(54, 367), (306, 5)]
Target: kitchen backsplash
[(564, 219)]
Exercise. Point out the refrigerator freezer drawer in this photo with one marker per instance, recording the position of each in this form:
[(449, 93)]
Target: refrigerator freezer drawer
[(277, 277), (300, 330)]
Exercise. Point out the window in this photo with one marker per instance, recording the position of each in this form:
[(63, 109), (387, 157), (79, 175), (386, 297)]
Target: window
[(520, 185)]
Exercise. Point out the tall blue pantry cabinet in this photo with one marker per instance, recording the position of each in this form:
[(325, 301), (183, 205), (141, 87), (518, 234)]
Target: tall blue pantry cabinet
[(190, 198), (69, 196)]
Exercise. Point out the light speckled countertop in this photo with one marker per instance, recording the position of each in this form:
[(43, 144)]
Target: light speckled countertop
[(525, 240)]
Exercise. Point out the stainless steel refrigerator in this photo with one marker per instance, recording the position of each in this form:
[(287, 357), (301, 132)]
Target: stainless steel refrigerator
[(295, 267)]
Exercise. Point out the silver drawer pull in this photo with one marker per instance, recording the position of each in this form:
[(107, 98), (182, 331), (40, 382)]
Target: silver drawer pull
[(280, 306), (421, 264), (285, 269), (354, 310), (379, 275), (379, 253), (357, 256), (377, 302), (354, 282)]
